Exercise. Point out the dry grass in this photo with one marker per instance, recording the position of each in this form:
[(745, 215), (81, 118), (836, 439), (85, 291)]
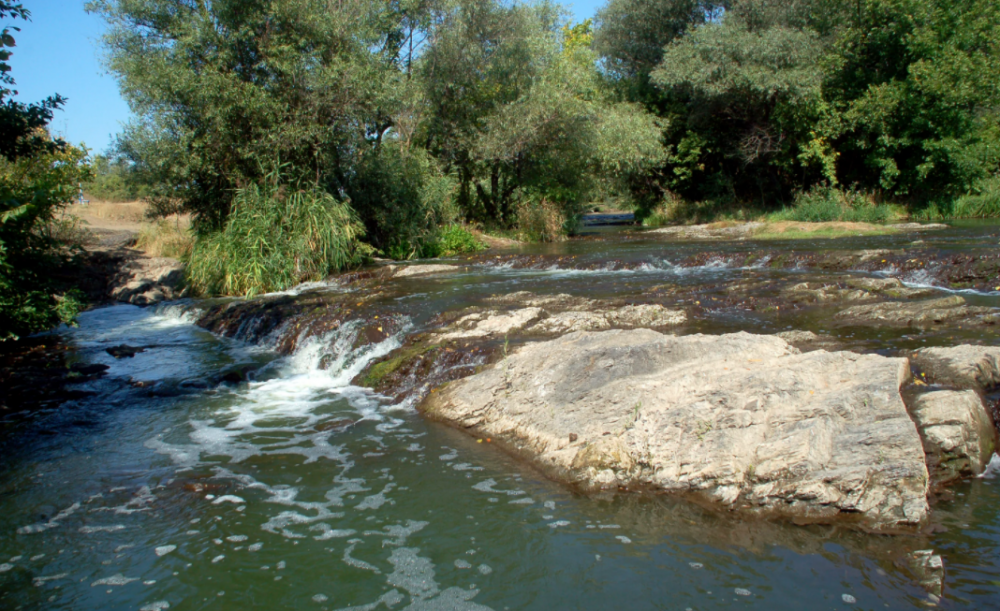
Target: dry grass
[(127, 212), (170, 237)]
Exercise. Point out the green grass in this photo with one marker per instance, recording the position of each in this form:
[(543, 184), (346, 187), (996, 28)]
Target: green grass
[(983, 202), (827, 204), (277, 236)]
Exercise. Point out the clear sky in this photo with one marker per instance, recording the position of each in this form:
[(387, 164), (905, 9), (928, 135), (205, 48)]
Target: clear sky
[(58, 51)]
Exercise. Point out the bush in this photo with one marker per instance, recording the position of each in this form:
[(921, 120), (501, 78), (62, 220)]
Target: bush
[(826, 204), (982, 202), (276, 237), (34, 187), (452, 240), (402, 196), (114, 181), (541, 220)]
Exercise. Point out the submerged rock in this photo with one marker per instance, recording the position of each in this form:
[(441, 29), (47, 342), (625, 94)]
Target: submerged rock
[(958, 433), (741, 420), (408, 271), (916, 314), (490, 324), (853, 290)]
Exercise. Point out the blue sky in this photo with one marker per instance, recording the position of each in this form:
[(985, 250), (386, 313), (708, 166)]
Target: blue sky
[(58, 51)]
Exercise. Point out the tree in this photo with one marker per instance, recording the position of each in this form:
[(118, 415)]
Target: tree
[(916, 86), (224, 90), (521, 114), (753, 88)]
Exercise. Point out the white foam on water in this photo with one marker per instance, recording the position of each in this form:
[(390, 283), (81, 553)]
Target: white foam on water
[(53, 523), (326, 532), (376, 500), (117, 579), (559, 523), (163, 550), (6, 567), (487, 485), (358, 564), (228, 498), (160, 605), (101, 529), (992, 468)]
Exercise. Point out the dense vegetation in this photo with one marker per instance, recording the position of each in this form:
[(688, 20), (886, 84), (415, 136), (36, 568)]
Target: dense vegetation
[(38, 175), (413, 119)]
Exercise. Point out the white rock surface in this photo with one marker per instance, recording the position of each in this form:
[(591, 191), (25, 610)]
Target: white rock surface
[(408, 271), (965, 366), (958, 433), (742, 420)]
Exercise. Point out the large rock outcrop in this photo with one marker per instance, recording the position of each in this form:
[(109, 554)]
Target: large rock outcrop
[(740, 420)]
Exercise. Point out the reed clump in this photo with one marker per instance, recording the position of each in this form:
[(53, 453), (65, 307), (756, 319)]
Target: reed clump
[(277, 236)]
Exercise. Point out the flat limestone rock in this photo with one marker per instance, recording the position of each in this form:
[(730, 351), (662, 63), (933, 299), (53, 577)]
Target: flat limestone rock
[(408, 271), (743, 421), (489, 324), (494, 323), (958, 433), (917, 314), (965, 366)]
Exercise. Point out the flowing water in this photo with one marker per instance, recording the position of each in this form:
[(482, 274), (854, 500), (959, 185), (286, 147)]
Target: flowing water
[(298, 490)]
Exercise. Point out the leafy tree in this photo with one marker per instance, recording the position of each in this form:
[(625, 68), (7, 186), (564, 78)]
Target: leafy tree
[(226, 88), (752, 88), (916, 87), (521, 114), (114, 180)]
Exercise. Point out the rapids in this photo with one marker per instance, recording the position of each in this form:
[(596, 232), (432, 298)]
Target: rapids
[(288, 486)]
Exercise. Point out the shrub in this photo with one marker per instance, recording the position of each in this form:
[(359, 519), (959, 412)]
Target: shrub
[(454, 240), (402, 196), (277, 236), (982, 202), (826, 204), (541, 220)]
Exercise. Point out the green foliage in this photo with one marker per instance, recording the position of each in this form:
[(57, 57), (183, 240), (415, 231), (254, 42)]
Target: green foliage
[(456, 240), (825, 204), (982, 202), (38, 176), (402, 196), (114, 180), (277, 235), (918, 87), (521, 114), (223, 88), (898, 97)]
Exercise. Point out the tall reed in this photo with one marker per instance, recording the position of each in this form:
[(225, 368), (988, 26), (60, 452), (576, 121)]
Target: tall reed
[(277, 236)]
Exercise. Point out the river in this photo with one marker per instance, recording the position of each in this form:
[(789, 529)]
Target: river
[(169, 488)]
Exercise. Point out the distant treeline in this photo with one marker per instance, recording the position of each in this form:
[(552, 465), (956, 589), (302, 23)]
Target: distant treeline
[(414, 115)]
